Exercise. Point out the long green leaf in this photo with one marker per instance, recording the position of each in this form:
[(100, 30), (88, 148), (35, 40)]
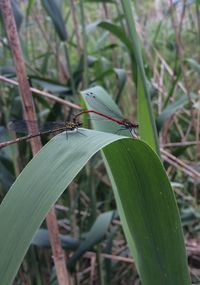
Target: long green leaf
[(93, 237), (114, 29), (37, 189), (149, 213), (143, 194), (172, 108), (147, 207), (56, 16), (41, 239), (146, 119), (121, 35), (194, 65), (17, 14)]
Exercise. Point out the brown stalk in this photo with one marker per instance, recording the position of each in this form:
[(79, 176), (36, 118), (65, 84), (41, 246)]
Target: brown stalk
[(105, 8), (184, 90), (73, 11), (64, 72), (180, 56), (43, 93), (30, 115), (178, 163), (89, 254), (169, 70), (186, 143), (198, 130)]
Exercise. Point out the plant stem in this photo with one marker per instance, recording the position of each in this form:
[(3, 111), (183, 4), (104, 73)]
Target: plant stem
[(30, 115)]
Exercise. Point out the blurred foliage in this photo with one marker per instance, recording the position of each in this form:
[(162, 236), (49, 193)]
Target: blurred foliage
[(55, 54)]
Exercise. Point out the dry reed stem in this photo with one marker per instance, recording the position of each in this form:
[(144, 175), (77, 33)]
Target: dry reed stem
[(44, 94), (30, 115), (76, 28), (89, 254), (64, 71), (171, 159)]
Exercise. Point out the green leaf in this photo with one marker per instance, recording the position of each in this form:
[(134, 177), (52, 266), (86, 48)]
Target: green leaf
[(148, 212), (6, 178), (93, 237), (114, 29), (146, 206), (37, 189), (194, 65), (17, 14), (121, 74), (54, 12), (30, 7), (172, 108), (103, 69), (41, 239), (121, 35), (142, 190), (50, 85), (146, 118), (144, 196), (101, 1)]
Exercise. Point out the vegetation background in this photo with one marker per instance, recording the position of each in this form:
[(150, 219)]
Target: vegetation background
[(69, 46)]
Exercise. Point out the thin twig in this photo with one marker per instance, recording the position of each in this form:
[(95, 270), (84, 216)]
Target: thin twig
[(111, 256), (179, 56), (171, 159), (65, 73), (76, 28), (181, 144), (169, 70), (43, 93)]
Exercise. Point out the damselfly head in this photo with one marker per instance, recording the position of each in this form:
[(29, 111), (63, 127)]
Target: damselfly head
[(130, 125)]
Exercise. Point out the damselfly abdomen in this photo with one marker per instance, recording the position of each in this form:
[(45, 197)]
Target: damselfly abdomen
[(44, 128)]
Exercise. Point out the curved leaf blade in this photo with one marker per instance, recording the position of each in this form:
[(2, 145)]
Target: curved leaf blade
[(148, 130), (147, 208), (37, 188), (148, 212), (93, 237), (143, 193), (172, 108)]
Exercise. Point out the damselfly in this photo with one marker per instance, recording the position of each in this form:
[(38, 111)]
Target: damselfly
[(46, 128), (108, 112)]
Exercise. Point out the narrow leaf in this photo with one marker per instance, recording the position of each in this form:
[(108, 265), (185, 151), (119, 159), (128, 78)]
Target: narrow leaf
[(56, 17)]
